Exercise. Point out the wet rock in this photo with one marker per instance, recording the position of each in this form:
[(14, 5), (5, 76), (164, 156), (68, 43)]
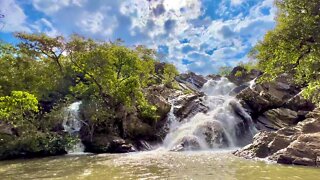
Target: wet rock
[(259, 147), (303, 151), (102, 143), (241, 112), (238, 89), (188, 105), (258, 102), (143, 146), (187, 143), (278, 118), (214, 134), (135, 129), (266, 103), (298, 103), (120, 146), (214, 77), (197, 80)]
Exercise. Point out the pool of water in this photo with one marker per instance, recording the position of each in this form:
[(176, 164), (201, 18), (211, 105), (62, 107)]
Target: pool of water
[(152, 165)]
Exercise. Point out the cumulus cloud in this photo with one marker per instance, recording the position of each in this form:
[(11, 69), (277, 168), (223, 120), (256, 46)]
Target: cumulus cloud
[(236, 2), (52, 6), (44, 26), (14, 17), (196, 35)]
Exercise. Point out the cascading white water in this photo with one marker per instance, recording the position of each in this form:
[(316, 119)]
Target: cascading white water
[(72, 124), (252, 83), (216, 128)]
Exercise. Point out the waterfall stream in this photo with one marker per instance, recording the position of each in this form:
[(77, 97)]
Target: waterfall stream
[(72, 125), (217, 128)]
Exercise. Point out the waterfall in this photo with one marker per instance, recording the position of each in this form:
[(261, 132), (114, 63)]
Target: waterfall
[(252, 83), (72, 124), (217, 128)]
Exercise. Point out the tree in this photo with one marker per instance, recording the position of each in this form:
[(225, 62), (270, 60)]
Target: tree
[(15, 108), (21, 71), (293, 46), (41, 45), (169, 73)]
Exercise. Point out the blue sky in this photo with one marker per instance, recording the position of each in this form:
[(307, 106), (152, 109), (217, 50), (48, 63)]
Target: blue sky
[(195, 35)]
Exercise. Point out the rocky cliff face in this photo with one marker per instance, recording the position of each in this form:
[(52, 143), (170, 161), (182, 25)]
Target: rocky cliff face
[(289, 125), (298, 144)]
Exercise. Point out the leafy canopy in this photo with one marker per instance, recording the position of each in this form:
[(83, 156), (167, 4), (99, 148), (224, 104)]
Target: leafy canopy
[(13, 108), (294, 45)]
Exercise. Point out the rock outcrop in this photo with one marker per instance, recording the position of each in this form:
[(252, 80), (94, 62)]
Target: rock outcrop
[(192, 79), (108, 144), (289, 125), (273, 105), (299, 144)]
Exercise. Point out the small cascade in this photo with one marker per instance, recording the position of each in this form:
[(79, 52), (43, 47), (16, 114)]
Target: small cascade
[(252, 83), (220, 127), (72, 124)]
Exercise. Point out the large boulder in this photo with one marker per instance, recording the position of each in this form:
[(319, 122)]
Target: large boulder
[(214, 134), (187, 106), (259, 147), (305, 150), (187, 143), (102, 143)]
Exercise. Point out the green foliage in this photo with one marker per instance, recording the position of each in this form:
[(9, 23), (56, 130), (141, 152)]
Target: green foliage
[(20, 71), (169, 73), (239, 74), (148, 112), (294, 45), (224, 70), (41, 74), (35, 144), (14, 108), (187, 91), (42, 46), (249, 65)]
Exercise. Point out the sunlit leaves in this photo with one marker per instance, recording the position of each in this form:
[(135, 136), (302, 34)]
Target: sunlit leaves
[(13, 108), (293, 46)]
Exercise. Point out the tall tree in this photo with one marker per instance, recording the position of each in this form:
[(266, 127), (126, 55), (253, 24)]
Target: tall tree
[(41, 45), (294, 45)]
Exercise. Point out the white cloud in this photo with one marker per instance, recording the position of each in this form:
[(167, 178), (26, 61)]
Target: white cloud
[(237, 2), (52, 6), (15, 18), (44, 26), (95, 23), (212, 40), (92, 22), (159, 17)]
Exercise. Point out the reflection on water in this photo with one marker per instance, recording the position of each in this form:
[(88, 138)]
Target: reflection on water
[(152, 165)]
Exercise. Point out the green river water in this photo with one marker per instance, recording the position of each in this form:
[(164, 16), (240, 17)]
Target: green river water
[(152, 165)]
